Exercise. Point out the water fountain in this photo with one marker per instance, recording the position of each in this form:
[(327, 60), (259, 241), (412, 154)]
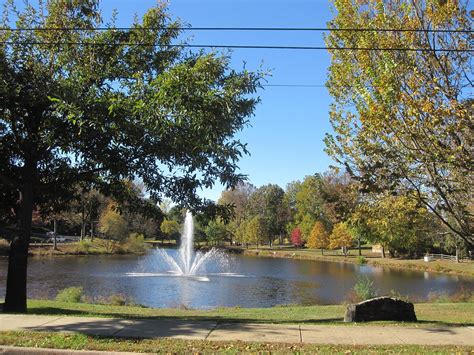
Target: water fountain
[(187, 262)]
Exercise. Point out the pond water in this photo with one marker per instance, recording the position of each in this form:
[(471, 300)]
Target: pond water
[(235, 281)]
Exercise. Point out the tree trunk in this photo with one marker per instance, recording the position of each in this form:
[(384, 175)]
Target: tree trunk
[(15, 299), (92, 230), (383, 252), (55, 234), (358, 246), (83, 223), (83, 230)]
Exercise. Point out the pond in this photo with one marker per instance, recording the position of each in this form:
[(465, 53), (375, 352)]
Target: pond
[(235, 281)]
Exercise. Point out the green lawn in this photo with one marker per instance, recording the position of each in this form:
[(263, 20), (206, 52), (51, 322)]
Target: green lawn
[(172, 346), (427, 313)]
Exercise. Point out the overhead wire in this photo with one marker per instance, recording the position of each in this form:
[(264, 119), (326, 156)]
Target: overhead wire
[(231, 46), (306, 29), (296, 85)]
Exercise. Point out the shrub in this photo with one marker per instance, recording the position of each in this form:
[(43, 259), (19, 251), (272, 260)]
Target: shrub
[(83, 247), (135, 244), (406, 298), (117, 300), (361, 260), (70, 294), (438, 297), (463, 294), (364, 288)]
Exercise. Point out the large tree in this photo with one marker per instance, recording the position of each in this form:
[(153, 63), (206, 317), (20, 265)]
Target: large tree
[(402, 117), (306, 204), (237, 199), (267, 202), (340, 195), (255, 231), (399, 223), (77, 105)]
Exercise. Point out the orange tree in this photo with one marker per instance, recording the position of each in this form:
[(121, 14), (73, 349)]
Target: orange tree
[(341, 237), (318, 237)]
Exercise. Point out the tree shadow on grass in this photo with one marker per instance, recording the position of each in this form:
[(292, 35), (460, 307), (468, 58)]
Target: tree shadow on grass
[(229, 319), (233, 319), (210, 317)]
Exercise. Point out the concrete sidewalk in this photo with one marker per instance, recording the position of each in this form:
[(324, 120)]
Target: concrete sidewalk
[(208, 330)]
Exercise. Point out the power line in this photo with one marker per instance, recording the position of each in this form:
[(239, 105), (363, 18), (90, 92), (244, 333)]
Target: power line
[(295, 29), (296, 85), (226, 46)]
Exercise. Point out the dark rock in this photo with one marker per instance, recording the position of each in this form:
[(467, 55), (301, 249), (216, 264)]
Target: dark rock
[(380, 308)]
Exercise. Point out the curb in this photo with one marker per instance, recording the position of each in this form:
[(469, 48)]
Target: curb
[(15, 350)]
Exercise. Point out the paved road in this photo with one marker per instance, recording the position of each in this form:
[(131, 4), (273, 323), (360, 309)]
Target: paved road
[(208, 330)]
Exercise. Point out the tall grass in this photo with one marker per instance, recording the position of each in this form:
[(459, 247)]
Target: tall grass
[(70, 294), (364, 289)]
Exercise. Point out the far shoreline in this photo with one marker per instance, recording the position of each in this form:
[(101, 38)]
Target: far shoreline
[(465, 269), (437, 267)]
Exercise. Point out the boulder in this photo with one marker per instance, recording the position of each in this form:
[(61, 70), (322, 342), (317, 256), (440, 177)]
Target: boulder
[(380, 308)]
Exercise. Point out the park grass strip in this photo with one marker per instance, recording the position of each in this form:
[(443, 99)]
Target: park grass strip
[(449, 314), (75, 341)]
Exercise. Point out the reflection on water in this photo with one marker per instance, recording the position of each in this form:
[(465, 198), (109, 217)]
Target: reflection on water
[(236, 281)]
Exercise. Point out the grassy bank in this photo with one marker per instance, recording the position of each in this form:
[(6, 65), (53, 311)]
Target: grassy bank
[(87, 247), (427, 313), (439, 266), (172, 346)]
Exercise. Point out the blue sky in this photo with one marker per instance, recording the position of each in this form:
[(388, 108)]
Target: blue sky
[(286, 136)]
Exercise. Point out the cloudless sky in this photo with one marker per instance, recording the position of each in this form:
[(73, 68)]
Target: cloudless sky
[(285, 138)]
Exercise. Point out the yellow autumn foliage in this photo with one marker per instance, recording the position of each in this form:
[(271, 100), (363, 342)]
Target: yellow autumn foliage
[(318, 239)]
